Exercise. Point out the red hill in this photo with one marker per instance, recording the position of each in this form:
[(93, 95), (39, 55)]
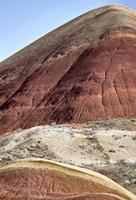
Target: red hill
[(82, 71)]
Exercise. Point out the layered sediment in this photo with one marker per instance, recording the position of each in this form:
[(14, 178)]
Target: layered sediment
[(82, 71), (43, 179)]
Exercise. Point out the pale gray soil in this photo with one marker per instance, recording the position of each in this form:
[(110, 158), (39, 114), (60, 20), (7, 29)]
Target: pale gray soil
[(108, 147)]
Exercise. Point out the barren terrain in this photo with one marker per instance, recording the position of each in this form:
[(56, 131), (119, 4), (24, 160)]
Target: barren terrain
[(82, 71), (44, 179), (108, 147), (70, 97)]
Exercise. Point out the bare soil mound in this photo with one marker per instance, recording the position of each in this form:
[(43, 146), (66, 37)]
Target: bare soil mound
[(43, 179), (84, 70)]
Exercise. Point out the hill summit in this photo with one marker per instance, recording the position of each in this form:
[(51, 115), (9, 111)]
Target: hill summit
[(82, 71)]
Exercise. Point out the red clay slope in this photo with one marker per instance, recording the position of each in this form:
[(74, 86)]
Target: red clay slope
[(82, 71), (41, 179)]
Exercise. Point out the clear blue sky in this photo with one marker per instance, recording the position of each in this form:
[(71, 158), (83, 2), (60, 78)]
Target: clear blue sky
[(23, 21)]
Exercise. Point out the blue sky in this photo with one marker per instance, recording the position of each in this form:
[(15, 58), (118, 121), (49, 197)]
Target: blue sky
[(23, 21)]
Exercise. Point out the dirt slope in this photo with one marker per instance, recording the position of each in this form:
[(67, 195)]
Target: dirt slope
[(43, 179), (107, 147), (84, 70)]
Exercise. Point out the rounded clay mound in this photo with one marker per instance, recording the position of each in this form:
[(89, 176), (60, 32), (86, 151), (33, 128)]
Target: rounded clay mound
[(43, 179)]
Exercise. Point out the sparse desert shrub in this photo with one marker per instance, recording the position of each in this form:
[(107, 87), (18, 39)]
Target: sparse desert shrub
[(7, 157), (117, 137), (112, 151), (133, 120), (81, 146), (121, 146), (133, 181), (3, 141), (121, 162), (134, 137), (90, 137)]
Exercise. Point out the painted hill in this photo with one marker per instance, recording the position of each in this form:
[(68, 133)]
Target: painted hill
[(43, 179), (84, 70)]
